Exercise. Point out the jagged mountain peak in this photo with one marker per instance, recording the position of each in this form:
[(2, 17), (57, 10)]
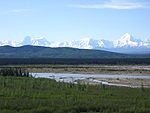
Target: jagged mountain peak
[(126, 40), (127, 37), (35, 41), (40, 42), (89, 43)]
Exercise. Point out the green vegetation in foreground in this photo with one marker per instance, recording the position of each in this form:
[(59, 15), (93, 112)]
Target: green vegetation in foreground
[(39, 95)]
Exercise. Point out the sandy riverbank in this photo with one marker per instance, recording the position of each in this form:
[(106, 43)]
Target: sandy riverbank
[(94, 69), (124, 82)]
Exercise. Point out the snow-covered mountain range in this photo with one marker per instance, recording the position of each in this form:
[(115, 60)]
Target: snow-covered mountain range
[(126, 42)]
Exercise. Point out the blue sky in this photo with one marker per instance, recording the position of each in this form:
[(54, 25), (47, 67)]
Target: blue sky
[(63, 20)]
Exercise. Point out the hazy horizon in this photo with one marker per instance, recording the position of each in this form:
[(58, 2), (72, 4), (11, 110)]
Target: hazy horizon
[(67, 20)]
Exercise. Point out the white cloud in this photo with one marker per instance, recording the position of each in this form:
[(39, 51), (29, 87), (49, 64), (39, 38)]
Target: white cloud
[(114, 4)]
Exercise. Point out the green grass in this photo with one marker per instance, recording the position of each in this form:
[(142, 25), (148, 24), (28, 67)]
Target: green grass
[(31, 95)]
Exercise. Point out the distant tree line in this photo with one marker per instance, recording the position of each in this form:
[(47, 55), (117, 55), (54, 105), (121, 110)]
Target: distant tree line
[(111, 61), (19, 72)]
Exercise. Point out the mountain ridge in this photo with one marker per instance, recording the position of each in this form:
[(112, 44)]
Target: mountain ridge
[(126, 44), (29, 51)]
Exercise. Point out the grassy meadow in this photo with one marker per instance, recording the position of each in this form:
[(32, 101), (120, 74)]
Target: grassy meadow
[(39, 95)]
